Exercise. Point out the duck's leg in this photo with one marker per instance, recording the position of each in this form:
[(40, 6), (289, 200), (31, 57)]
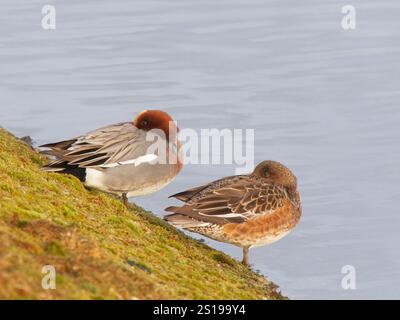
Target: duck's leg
[(125, 201), (245, 260)]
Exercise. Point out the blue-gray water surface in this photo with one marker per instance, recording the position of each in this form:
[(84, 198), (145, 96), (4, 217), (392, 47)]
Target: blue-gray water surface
[(322, 100)]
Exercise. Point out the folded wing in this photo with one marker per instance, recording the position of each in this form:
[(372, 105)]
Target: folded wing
[(235, 199), (114, 145)]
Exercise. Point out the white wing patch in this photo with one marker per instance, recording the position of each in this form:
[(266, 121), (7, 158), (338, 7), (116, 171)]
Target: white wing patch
[(224, 215), (138, 161)]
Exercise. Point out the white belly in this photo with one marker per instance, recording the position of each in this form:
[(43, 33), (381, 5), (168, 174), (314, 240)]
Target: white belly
[(100, 179), (269, 239), (149, 189)]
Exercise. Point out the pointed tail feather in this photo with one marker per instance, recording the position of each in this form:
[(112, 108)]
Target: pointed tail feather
[(59, 145), (181, 221)]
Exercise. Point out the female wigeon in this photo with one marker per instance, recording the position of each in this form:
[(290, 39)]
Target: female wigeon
[(122, 158), (244, 210)]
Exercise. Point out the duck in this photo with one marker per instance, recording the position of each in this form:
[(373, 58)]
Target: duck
[(243, 210), (122, 158)]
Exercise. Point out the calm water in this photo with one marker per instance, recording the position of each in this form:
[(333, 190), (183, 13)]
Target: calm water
[(322, 100)]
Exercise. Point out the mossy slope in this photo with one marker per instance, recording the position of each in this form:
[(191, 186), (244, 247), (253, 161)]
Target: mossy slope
[(100, 249)]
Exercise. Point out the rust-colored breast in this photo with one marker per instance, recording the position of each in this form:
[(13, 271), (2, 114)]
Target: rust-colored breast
[(265, 228)]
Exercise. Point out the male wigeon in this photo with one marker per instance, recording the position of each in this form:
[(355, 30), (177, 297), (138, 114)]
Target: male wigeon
[(244, 210), (121, 158)]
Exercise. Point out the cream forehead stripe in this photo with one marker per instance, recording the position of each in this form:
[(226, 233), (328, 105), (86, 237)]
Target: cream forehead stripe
[(139, 114)]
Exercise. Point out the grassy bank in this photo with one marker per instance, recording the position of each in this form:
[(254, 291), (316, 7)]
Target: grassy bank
[(100, 249)]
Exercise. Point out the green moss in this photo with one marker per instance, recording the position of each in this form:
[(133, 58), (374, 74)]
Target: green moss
[(55, 248), (223, 259), (100, 249)]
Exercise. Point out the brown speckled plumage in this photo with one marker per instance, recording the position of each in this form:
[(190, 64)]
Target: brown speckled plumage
[(246, 210)]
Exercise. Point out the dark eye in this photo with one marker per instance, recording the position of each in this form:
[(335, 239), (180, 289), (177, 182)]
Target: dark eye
[(266, 172), (144, 123)]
